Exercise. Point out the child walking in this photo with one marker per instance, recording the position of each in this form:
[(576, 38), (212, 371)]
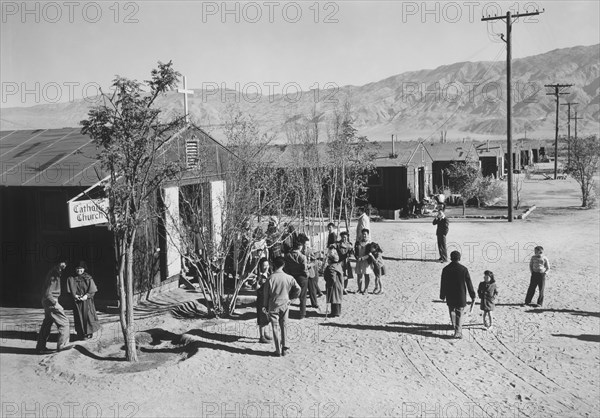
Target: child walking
[(487, 292), (376, 261)]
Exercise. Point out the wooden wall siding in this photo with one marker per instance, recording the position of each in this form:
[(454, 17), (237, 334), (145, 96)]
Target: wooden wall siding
[(390, 193), (489, 166), (33, 235)]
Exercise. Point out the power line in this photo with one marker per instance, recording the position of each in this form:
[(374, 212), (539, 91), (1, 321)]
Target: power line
[(509, 21), (556, 93), (569, 104), (576, 119)]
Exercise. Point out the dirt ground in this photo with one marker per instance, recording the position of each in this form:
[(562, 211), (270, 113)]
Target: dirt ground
[(387, 355)]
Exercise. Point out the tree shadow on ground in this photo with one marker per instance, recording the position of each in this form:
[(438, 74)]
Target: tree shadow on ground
[(159, 335), (94, 356), (192, 346), (583, 337), (570, 311), (442, 331), (190, 310)]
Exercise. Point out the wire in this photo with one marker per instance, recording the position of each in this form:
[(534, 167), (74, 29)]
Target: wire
[(456, 110)]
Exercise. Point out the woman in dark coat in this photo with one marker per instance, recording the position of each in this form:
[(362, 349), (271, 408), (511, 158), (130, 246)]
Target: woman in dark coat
[(259, 284), (334, 282), (83, 288)]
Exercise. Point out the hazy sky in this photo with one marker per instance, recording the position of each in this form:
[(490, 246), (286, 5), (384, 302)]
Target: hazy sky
[(54, 51)]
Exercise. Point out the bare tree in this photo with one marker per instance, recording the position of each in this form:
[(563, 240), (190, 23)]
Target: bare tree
[(464, 179), (351, 162), (253, 188), (583, 167)]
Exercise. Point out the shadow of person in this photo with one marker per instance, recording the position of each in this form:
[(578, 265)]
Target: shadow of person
[(568, 311), (441, 331), (424, 260), (25, 335), (19, 350), (226, 338), (583, 337)]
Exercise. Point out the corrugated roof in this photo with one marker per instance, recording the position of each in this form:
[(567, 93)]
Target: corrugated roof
[(290, 155), (450, 151), (64, 157), (50, 157), (489, 149), (402, 150)]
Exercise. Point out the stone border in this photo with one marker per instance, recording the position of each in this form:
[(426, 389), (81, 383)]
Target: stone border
[(527, 212), (521, 216)]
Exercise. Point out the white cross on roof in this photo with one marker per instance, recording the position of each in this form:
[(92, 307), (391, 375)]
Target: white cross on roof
[(185, 92)]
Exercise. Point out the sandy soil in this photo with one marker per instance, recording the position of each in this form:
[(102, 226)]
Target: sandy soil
[(387, 355)]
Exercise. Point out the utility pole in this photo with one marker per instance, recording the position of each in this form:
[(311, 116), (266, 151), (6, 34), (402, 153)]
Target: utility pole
[(556, 93), (509, 21), (569, 129), (576, 118)]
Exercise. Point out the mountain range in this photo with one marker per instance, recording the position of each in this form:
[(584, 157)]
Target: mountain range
[(463, 100)]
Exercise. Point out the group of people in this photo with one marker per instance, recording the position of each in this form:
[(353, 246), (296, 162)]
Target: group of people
[(289, 281), (294, 273), (81, 288), (456, 282)]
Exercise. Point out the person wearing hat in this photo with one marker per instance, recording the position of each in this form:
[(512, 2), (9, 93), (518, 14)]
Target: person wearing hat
[(334, 281), (53, 311), (83, 288)]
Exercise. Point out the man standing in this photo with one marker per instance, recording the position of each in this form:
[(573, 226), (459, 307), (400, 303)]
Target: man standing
[(277, 303), (53, 312), (442, 230), (455, 283), (296, 265), (331, 235)]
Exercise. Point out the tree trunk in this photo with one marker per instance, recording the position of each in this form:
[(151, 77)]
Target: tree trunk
[(120, 248), (342, 197), (129, 335), (464, 202)]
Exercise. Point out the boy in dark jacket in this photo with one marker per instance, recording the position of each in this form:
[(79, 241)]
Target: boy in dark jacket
[(442, 230), (538, 266)]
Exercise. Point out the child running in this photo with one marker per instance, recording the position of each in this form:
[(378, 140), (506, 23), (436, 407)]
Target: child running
[(487, 293)]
